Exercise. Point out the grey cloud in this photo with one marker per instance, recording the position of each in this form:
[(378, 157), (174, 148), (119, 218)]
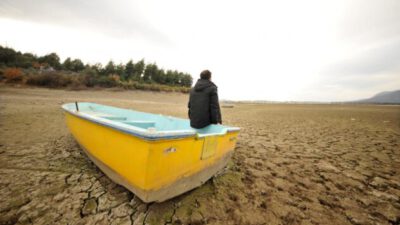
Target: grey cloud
[(379, 82), (111, 18), (377, 69), (369, 20), (379, 59), (372, 25)]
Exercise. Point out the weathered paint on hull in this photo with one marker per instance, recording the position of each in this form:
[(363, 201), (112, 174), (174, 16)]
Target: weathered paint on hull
[(154, 170)]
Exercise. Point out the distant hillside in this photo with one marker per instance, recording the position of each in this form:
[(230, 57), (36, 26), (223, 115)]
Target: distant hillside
[(388, 97)]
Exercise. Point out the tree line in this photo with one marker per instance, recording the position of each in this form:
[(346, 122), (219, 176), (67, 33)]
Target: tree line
[(130, 72)]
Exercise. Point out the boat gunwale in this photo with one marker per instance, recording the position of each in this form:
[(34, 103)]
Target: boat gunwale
[(141, 133)]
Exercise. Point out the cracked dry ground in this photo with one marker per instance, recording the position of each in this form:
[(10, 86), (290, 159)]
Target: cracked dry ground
[(294, 164)]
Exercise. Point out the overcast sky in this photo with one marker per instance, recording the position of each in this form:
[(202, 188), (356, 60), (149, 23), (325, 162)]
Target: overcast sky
[(256, 50)]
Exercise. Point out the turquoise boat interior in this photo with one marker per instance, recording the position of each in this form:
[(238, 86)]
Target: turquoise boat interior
[(145, 125)]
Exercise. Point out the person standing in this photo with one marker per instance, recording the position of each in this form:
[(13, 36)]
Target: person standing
[(203, 102)]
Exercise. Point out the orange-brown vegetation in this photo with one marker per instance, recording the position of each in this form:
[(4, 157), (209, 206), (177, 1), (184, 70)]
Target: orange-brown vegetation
[(13, 75)]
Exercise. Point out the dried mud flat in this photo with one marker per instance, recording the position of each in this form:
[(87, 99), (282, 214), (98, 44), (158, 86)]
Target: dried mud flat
[(294, 164)]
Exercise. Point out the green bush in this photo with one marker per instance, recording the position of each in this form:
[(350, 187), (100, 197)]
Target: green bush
[(1, 74), (105, 82), (50, 79), (134, 85), (81, 80), (86, 80)]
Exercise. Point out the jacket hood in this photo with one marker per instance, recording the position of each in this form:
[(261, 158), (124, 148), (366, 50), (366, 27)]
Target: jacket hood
[(202, 84)]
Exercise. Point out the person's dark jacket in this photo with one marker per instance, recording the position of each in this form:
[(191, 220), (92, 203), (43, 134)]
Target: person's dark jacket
[(203, 104)]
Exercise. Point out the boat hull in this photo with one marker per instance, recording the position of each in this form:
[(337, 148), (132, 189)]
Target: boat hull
[(154, 170)]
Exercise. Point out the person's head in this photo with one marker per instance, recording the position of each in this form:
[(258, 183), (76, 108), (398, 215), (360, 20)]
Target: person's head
[(205, 74)]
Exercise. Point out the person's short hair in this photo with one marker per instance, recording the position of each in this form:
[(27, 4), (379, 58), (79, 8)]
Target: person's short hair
[(205, 74)]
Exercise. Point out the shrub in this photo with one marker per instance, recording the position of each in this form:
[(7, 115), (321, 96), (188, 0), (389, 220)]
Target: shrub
[(13, 75), (105, 82), (77, 84), (81, 80), (152, 87), (115, 77), (126, 85), (50, 79), (86, 80)]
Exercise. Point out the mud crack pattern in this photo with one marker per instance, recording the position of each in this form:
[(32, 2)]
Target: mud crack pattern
[(293, 164)]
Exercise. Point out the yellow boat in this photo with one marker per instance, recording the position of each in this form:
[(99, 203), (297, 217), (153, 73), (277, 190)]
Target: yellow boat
[(156, 157)]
